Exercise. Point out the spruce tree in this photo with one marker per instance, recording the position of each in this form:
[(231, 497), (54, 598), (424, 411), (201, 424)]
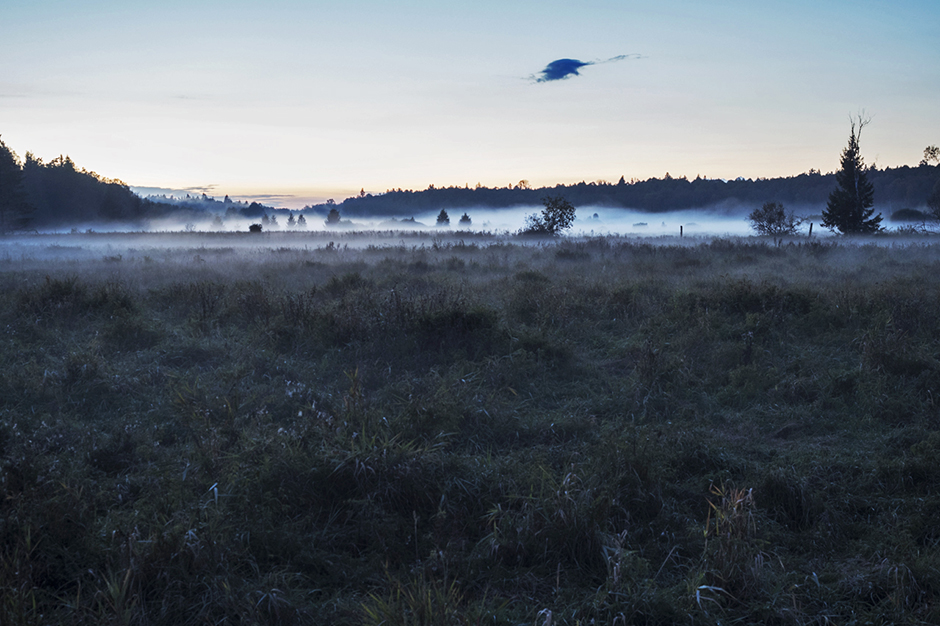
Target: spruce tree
[(15, 208), (850, 205)]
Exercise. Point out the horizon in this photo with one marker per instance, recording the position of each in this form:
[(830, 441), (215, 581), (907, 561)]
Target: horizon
[(301, 102), (272, 200)]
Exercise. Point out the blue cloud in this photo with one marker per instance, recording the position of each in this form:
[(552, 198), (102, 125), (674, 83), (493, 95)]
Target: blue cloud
[(561, 69), (566, 68)]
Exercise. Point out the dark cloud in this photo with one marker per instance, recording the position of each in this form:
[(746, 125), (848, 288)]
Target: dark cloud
[(566, 68), (561, 69)]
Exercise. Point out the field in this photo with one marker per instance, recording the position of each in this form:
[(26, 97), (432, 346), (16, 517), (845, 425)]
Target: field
[(468, 430)]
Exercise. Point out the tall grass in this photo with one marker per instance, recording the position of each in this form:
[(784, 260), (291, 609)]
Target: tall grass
[(472, 433)]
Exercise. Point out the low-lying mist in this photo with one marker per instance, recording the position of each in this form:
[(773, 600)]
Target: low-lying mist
[(589, 221), (159, 239)]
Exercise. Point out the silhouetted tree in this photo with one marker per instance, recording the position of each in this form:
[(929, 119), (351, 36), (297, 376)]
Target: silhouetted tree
[(301, 222), (265, 220), (931, 153), (255, 209), (443, 219), (850, 205), (558, 215), (933, 201), (254, 228), (465, 220), (332, 218), (15, 208), (774, 220), (291, 222), (62, 194)]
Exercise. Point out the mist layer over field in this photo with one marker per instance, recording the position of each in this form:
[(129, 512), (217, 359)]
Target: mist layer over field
[(488, 226), (588, 221), (604, 221)]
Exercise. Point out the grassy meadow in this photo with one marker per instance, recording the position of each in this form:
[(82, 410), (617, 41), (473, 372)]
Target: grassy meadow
[(469, 430)]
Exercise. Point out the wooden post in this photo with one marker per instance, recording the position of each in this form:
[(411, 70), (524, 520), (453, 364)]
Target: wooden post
[(680, 230), (810, 229)]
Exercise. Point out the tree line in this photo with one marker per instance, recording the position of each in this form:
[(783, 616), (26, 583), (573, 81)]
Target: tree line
[(37, 194), (850, 209), (896, 188)]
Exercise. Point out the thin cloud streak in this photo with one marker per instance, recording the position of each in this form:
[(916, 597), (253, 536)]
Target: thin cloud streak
[(144, 190), (213, 192)]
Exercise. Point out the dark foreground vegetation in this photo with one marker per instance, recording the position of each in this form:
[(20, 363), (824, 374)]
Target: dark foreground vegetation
[(464, 433)]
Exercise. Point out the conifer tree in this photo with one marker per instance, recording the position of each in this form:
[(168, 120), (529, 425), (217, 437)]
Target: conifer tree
[(15, 208), (849, 209)]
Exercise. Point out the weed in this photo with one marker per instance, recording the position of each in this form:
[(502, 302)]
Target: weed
[(419, 602), (734, 563)]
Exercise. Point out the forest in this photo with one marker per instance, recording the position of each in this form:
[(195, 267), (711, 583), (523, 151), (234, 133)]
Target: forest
[(895, 189), (59, 194)]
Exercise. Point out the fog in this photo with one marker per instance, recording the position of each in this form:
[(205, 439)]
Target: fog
[(588, 221), (164, 238), (504, 221), (607, 221)]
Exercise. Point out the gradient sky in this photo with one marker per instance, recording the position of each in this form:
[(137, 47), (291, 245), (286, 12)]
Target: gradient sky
[(319, 99)]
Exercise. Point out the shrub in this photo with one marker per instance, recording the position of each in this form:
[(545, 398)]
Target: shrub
[(557, 216), (774, 220)]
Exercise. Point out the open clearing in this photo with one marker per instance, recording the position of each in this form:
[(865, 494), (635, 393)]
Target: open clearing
[(468, 430)]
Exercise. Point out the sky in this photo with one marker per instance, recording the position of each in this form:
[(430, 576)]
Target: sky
[(294, 102)]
